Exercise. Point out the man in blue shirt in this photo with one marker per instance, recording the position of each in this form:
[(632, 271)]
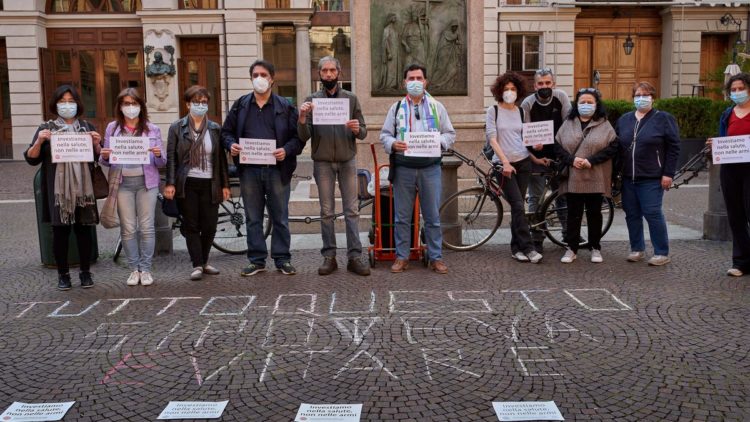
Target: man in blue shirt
[(262, 114)]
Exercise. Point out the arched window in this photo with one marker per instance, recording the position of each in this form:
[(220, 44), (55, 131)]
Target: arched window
[(93, 6)]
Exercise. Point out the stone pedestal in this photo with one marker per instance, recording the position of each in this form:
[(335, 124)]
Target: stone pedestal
[(715, 222), (163, 230), (449, 217)]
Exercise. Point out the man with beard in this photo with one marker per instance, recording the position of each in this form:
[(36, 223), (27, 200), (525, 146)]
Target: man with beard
[(547, 103), (334, 149)]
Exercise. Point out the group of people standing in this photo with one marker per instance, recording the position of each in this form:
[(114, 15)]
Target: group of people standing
[(643, 147)]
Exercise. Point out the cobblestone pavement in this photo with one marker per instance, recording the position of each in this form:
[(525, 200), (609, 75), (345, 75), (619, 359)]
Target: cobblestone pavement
[(612, 341)]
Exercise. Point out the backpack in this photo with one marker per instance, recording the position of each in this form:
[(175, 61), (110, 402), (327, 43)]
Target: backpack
[(487, 150)]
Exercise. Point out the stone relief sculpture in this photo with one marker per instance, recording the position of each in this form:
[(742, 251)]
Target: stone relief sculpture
[(160, 75), (433, 34)]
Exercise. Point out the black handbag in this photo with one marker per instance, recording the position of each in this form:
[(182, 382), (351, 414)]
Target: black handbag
[(99, 182)]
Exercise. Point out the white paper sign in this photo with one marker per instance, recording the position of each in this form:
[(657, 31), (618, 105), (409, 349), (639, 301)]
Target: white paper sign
[(330, 111), (36, 411), (539, 133), (422, 144), (129, 150), (257, 151), (193, 410), (731, 149), (67, 148), (328, 413), (527, 411)]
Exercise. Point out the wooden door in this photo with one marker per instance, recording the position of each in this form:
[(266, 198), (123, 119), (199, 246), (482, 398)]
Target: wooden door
[(199, 65), (582, 74), (714, 48), (6, 139)]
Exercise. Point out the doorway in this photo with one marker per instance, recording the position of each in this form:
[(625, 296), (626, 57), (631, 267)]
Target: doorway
[(6, 139), (199, 65)]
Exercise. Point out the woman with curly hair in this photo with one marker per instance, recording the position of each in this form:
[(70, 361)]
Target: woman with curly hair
[(505, 134)]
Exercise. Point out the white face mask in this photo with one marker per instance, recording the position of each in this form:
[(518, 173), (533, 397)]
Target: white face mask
[(261, 85), (131, 112), (510, 97), (67, 110)]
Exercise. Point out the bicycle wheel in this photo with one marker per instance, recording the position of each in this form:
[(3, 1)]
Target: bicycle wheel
[(231, 230), (118, 249), (469, 218), (555, 212)]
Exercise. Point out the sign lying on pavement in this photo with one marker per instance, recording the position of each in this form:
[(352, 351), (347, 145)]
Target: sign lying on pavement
[(193, 410), (328, 413), (527, 411), (29, 412)]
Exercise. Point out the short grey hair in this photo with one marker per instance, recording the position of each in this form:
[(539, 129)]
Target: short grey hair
[(327, 59), (544, 72)]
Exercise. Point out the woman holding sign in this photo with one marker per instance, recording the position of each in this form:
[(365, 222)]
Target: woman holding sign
[(586, 144), (67, 190), (136, 143), (197, 176), (735, 177), (504, 132), (649, 147)]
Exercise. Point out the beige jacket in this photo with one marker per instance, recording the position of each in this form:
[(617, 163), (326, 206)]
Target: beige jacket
[(598, 146)]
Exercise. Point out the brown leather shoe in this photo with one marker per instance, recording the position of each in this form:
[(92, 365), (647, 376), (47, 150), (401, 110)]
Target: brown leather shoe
[(439, 267), (329, 265), (399, 265)]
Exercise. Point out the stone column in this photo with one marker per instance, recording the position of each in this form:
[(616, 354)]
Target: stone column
[(449, 179), (715, 222), (302, 37)]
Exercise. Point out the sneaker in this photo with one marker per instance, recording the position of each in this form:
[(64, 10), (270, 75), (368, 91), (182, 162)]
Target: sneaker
[(197, 273), (63, 282), (534, 256), (328, 266), (635, 256), (86, 281), (596, 256), (399, 265), (569, 256), (735, 272), (520, 257), (252, 269), (210, 270), (658, 260), (146, 278), (287, 269), (439, 267), (357, 266), (134, 279)]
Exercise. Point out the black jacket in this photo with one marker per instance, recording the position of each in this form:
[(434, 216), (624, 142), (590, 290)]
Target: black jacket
[(654, 151), (286, 131), (178, 156)]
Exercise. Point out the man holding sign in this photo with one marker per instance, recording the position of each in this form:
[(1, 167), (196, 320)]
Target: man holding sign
[(334, 149), (415, 163), (258, 116)]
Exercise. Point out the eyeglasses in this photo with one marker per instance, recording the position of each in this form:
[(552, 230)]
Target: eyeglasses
[(130, 104), (543, 71), (588, 90), (200, 103)]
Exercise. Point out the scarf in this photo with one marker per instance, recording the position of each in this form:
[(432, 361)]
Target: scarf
[(427, 112), (197, 158), (73, 187)]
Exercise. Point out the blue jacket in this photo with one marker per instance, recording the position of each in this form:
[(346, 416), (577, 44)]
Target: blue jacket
[(724, 121), (286, 131), (653, 153)]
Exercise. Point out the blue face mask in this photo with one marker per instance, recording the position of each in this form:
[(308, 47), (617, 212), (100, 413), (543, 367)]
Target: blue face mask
[(67, 110), (415, 88), (586, 110), (198, 110), (642, 102), (739, 97)]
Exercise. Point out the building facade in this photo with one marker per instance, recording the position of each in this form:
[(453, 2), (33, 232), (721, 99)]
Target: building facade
[(103, 46)]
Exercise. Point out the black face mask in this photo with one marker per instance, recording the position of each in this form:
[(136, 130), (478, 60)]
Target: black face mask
[(329, 85), (544, 93)]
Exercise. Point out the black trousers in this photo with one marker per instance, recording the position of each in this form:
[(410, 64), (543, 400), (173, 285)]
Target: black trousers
[(735, 185), (514, 190), (60, 236), (593, 204), (199, 216)]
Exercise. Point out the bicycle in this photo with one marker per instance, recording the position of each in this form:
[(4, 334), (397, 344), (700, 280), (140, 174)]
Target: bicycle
[(231, 227), (471, 217)]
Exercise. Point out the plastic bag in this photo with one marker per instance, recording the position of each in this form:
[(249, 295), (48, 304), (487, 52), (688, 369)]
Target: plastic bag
[(383, 181)]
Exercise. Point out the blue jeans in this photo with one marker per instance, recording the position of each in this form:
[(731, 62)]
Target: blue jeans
[(136, 207), (405, 185), (261, 187), (642, 199), (326, 173)]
